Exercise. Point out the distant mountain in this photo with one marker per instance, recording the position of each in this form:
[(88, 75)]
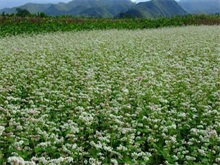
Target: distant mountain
[(85, 8), (154, 8), (123, 8), (32, 7), (201, 6)]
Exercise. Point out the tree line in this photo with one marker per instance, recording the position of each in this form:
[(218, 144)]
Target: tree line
[(24, 13)]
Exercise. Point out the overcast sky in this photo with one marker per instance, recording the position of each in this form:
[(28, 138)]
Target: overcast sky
[(15, 3)]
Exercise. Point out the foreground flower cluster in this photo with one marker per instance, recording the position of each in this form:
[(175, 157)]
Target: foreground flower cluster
[(111, 97)]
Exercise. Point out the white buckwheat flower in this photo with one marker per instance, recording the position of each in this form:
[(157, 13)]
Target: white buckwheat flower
[(16, 160), (217, 160), (1, 130)]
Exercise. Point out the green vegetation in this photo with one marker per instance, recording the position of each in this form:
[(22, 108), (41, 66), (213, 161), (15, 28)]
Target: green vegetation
[(154, 9), (22, 12), (36, 24), (109, 91), (135, 97)]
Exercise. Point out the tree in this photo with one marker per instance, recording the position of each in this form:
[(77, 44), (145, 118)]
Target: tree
[(22, 12), (41, 14)]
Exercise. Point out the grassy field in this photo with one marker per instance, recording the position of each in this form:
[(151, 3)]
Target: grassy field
[(111, 97)]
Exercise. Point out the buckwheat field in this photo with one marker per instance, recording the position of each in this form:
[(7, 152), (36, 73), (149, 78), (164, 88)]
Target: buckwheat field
[(111, 97)]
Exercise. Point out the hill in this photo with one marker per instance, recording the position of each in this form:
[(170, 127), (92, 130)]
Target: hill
[(122, 8), (85, 8), (154, 8), (201, 6), (32, 7)]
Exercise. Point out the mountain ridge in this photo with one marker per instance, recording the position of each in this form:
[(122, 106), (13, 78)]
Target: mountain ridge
[(201, 6), (79, 8), (155, 8), (122, 8)]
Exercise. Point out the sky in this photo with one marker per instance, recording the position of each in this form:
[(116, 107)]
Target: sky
[(15, 3)]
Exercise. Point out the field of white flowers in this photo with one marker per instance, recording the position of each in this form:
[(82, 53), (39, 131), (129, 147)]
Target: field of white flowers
[(111, 97)]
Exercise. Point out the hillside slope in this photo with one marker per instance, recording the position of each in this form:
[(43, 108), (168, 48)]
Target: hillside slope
[(201, 6), (155, 8), (85, 8), (32, 7)]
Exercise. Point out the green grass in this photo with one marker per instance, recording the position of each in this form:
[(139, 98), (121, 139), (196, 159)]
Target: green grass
[(111, 96)]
